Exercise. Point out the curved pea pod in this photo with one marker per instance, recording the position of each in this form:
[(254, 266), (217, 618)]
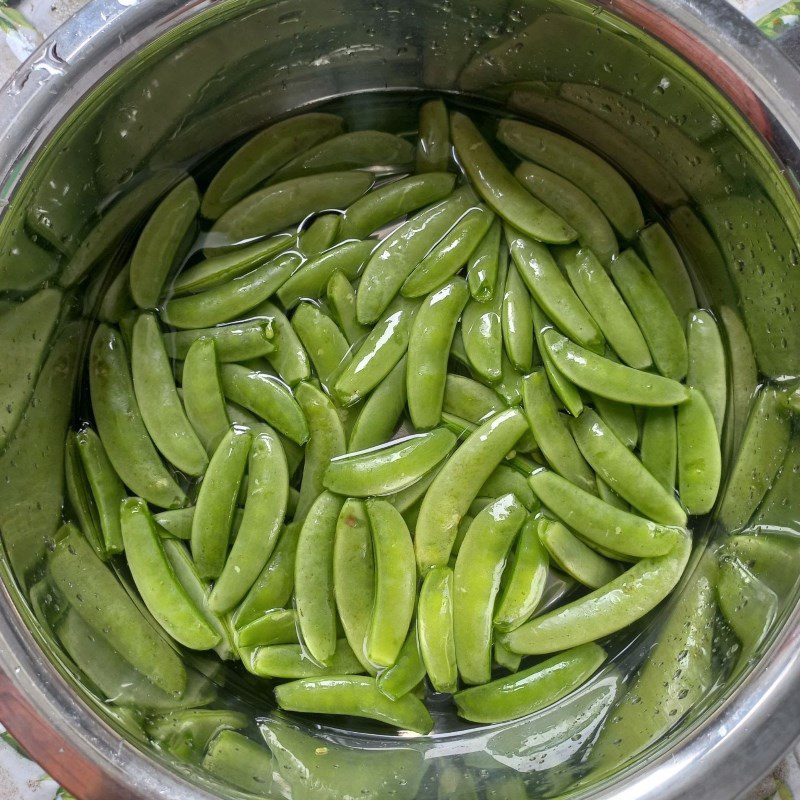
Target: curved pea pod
[(262, 155), (202, 394), (341, 301), (551, 290), (620, 417), (483, 264), (579, 165), (319, 235), (119, 423), (381, 412), (79, 495), (395, 258), (187, 733), (385, 345), (707, 364), (744, 373), (602, 523), (216, 502), (606, 378), (407, 672), (517, 321), (272, 627), (458, 483), (659, 449), (573, 205), (606, 610), (395, 583), (623, 471), (289, 661), (354, 696), (507, 480), (392, 201), (265, 396), (435, 629), (236, 341), (469, 399), (699, 456), (433, 142), (281, 205), (760, 456), (323, 341), (240, 761), (231, 299), (524, 580), (163, 243), (502, 193), (310, 280)]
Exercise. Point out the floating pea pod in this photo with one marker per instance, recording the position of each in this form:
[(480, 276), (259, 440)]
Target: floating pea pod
[(341, 301), (289, 661), (323, 341), (237, 341), (435, 629), (659, 449), (381, 412), (407, 672), (433, 144), (699, 456), (707, 364), (202, 394)]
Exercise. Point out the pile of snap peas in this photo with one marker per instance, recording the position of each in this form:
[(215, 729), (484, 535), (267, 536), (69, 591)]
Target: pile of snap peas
[(402, 445)]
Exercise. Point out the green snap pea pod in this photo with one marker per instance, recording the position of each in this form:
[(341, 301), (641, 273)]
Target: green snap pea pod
[(660, 326), (398, 254), (455, 783), (272, 627), (772, 558), (624, 472), (573, 205), (392, 201), (381, 412), (313, 570), (186, 733), (764, 444), (262, 155), (524, 581), (395, 583), (216, 502), (476, 583), (202, 394), (517, 321), (319, 235), (707, 363), (240, 761), (342, 304), (504, 658), (450, 253), (407, 672), (469, 399), (163, 243), (551, 290), (428, 349), (620, 417), (385, 345), (237, 341), (532, 689), (482, 264), (233, 298), (600, 522), (509, 387), (572, 556), (606, 493), (463, 527), (310, 280), (323, 341), (119, 423), (793, 400), (326, 441), (659, 449), (507, 480), (284, 204), (699, 457), (606, 610), (289, 359), (411, 497), (579, 165), (435, 629), (117, 300), (500, 190), (80, 497), (354, 696), (289, 661), (668, 268), (433, 144), (267, 397), (177, 523), (552, 433), (164, 596), (606, 378)]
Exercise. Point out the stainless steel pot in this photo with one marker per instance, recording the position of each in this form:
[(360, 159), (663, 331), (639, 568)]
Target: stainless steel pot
[(689, 98)]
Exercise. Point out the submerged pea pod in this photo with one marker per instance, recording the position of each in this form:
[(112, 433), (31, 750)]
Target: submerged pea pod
[(240, 761), (743, 370), (483, 263), (341, 300), (707, 364), (407, 672), (433, 144), (289, 661), (272, 627), (381, 412), (317, 237), (435, 629), (659, 449), (323, 341), (79, 496), (237, 341), (202, 394), (289, 359), (699, 456)]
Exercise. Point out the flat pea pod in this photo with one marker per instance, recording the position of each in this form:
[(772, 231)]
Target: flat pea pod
[(524, 580), (262, 155), (508, 480), (289, 661), (457, 485), (429, 345), (216, 502), (551, 290), (289, 359), (395, 583), (623, 471), (579, 165), (231, 299), (482, 264), (597, 292), (326, 441), (266, 396), (353, 696), (341, 301), (272, 627), (240, 761), (532, 689), (155, 579), (323, 341), (236, 341), (502, 193), (661, 328), (407, 672), (552, 433), (385, 345), (313, 577), (476, 583), (517, 321), (659, 449), (572, 556), (764, 444), (469, 399), (699, 456), (79, 495), (319, 235), (281, 205), (310, 279), (393, 200), (435, 629), (620, 417), (606, 378), (600, 522), (119, 423), (606, 610), (707, 363), (381, 412), (202, 394), (433, 142), (264, 511), (744, 373), (573, 205)]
